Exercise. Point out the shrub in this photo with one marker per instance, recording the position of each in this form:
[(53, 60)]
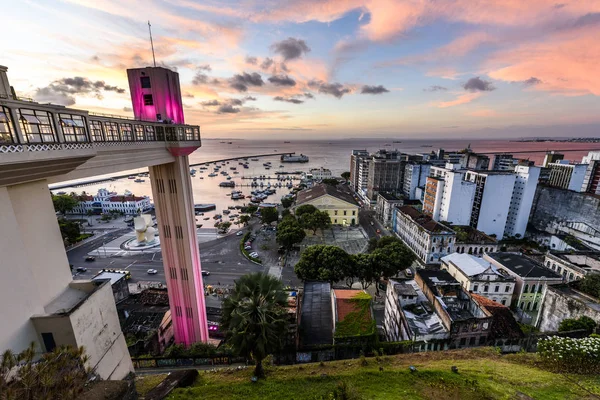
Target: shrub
[(571, 355), (585, 323)]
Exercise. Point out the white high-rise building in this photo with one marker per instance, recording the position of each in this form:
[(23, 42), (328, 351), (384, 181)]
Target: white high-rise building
[(415, 176), (522, 199)]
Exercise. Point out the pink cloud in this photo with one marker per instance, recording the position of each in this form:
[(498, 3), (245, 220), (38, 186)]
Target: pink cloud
[(461, 99)]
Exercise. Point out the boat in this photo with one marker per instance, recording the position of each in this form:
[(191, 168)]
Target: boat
[(236, 172), (192, 171), (295, 159), (204, 207), (245, 166), (139, 180), (198, 225), (397, 141), (226, 212), (232, 168), (231, 208), (206, 218), (217, 216), (229, 142), (254, 159), (131, 177), (227, 184), (237, 196), (212, 175)]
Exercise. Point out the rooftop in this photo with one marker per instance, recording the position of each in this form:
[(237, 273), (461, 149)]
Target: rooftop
[(576, 295), (389, 196), (467, 263), (523, 266), (425, 221), (472, 235), (587, 260), (72, 296), (113, 276), (404, 289), (504, 324), (322, 189), (316, 321), (437, 279)]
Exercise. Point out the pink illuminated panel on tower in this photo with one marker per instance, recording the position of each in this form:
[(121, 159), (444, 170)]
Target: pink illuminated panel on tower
[(155, 94)]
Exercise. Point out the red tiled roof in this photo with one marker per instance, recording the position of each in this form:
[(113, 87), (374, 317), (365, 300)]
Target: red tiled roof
[(343, 303), (504, 325)]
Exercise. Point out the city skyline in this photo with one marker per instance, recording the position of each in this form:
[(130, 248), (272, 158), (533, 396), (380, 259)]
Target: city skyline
[(324, 69)]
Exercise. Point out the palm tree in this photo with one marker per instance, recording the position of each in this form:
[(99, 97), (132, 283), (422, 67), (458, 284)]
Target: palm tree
[(255, 318)]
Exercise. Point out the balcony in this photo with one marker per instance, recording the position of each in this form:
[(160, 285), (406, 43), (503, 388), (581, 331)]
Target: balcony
[(39, 141)]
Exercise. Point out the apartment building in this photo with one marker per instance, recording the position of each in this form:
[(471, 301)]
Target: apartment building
[(386, 172), (531, 281), (567, 176), (479, 276), (428, 239), (591, 181), (359, 170), (521, 201), (415, 176), (386, 205)]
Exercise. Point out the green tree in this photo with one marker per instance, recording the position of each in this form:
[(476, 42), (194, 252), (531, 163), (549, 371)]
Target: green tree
[(285, 213), (590, 284), (251, 209), (346, 175), (64, 203), (224, 226), (305, 209), (69, 230), (323, 263), (315, 221), (244, 219), (255, 318), (389, 260), (268, 215), (583, 322), (286, 202), (289, 232), (59, 374), (365, 271), (330, 181)]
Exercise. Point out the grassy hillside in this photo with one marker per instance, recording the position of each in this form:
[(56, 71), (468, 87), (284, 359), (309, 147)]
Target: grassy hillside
[(482, 374)]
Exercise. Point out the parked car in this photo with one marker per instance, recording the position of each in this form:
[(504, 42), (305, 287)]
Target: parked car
[(248, 248), (152, 272), (90, 258), (408, 272), (239, 233), (254, 254), (81, 269), (205, 273)]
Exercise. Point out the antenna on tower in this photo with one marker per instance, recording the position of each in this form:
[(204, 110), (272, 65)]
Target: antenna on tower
[(151, 43)]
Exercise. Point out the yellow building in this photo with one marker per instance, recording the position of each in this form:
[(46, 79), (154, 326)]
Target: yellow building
[(338, 202)]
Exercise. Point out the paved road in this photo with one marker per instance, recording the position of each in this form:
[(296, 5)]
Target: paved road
[(221, 257)]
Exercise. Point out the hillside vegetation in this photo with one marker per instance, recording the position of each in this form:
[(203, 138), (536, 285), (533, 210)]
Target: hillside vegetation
[(482, 374)]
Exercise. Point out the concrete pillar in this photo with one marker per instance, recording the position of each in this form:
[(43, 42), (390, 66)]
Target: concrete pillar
[(174, 204), (33, 262)]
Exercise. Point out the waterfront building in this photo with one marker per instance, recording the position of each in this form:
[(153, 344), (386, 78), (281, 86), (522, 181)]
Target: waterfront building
[(573, 265), (386, 205), (105, 201), (479, 276), (428, 239), (591, 181), (475, 161), (564, 175), (336, 201), (359, 171), (320, 173), (415, 176), (45, 143), (503, 162), (531, 278), (448, 195), (408, 315), (386, 173), (552, 157), (521, 201), (472, 241)]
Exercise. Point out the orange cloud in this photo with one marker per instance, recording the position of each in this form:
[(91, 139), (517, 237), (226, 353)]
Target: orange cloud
[(461, 99), (565, 63)]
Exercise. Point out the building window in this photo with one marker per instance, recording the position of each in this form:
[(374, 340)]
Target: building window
[(533, 288), (570, 276), (507, 288), (486, 288), (472, 341), (540, 287), (148, 100), (112, 131), (150, 133), (535, 306), (335, 212), (37, 126), (463, 341), (139, 132), (126, 132), (48, 339), (526, 289), (558, 269), (7, 129), (522, 305), (503, 302), (73, 127), (481, 340), (353, 212), (96, 128), (335, 221), (145, 81), (528, 305), (497, 289), (475, 288), (344, 212)]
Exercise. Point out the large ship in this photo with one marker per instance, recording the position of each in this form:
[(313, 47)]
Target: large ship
[(292, 158)]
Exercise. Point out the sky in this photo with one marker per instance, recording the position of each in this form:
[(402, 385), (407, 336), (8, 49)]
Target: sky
[(323, 69)]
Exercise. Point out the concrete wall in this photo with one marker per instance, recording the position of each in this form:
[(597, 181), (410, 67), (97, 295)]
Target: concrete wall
[(495, 203), (553, 208), (559, 306), (96, 327), (33, 262), (459, 196)]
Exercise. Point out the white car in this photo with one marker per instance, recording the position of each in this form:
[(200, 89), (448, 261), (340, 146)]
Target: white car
[(152, 272), (248, 248), (239, 233), (254, 254)]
